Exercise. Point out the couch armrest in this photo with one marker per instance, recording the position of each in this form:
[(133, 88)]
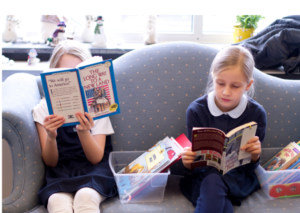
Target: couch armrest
[(20, 94)]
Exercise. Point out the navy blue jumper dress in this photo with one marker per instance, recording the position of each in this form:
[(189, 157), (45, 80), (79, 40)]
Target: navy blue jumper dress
[(73, 170)]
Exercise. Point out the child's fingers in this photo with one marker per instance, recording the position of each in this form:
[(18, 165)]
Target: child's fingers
[(90, 119), (188, 157), (254, 150), (82, 120), (254, 139), (55, 125), (186, 154), (54, 122), (47, 118), (187, 148), (52, 119), (189, 153)]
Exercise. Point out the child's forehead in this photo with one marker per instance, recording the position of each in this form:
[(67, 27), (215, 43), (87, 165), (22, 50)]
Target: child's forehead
[(235, 72)]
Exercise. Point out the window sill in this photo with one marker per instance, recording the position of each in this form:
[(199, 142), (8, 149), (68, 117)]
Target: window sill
[(19, 51)]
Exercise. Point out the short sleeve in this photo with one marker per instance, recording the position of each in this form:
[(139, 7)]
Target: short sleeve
[(40, 111), (102, 126)]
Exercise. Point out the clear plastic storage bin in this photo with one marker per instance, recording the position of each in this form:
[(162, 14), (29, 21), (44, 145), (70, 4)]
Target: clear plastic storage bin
[(137, 187), (280, 183)]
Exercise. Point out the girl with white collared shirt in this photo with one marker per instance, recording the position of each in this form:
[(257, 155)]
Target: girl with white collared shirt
[(77, 177), (226, 105)]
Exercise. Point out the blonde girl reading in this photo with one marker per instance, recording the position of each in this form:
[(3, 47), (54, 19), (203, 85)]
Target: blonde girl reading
[(77, 177), (226, 105)]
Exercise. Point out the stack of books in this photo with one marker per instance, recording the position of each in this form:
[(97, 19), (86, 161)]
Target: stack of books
[(287, 158)]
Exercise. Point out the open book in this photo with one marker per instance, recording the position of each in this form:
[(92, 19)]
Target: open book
[(156, 159), (90, 87), (220, 150)]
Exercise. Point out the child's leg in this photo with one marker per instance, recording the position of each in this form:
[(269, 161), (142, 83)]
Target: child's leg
[(60, 202), (87, 200), (213, 196)]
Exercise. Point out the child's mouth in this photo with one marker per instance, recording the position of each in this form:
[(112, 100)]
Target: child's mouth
[(224, 99)]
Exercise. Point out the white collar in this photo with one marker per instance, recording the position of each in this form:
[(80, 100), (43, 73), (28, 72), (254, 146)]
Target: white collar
[(235, 113)]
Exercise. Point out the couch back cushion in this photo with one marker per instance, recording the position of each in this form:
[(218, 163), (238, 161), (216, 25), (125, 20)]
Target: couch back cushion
[(157, 83), (280, 98)]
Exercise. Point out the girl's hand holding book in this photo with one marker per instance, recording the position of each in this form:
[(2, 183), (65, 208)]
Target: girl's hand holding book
[(253, 146), (52, 123), (85, 124), (188, 157)]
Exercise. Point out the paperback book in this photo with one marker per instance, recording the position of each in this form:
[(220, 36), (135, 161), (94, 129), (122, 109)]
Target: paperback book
[(222, 151), (90, 87)]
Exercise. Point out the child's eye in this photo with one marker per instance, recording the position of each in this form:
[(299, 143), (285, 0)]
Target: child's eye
[(221, 84), (235, 86)]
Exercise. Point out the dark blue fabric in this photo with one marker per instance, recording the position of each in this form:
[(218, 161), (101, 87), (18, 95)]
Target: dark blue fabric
[(73, 170), (277, 45), (213, 191), (240, 181)]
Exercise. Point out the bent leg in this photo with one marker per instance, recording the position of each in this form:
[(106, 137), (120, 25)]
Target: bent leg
[(87, 200), (213, 196), (60, 202)]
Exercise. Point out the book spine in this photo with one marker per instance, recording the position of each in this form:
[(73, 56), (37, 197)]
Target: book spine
[(288, 164), (295, 165), (83, 96)]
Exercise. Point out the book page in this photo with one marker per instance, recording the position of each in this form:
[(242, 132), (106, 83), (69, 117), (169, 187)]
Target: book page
[(247, 135), (65, 95), (208, 143), (98, 89), (89, 61), (231, 152)]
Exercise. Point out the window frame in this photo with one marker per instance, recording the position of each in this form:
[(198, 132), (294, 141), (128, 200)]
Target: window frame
[(196, 36)]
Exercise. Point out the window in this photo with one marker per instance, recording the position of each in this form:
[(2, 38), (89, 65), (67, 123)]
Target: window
[(131, 28)]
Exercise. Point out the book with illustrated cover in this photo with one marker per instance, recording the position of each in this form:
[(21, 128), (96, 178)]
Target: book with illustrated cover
[(90, 87), (156, 159), (222, 151), (283, 159)]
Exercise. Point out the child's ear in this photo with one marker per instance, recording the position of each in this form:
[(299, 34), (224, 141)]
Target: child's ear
[(249, 85)]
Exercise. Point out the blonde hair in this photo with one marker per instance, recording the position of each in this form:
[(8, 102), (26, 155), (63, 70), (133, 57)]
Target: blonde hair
[(229, 57), (71, 47)]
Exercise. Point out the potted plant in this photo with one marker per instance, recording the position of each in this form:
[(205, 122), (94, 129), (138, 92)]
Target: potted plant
[(246, 27)]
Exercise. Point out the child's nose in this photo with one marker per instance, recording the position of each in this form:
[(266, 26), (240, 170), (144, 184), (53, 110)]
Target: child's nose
[(226, 91)]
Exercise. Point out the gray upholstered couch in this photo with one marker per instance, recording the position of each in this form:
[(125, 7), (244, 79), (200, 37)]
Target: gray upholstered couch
[(155, 85)]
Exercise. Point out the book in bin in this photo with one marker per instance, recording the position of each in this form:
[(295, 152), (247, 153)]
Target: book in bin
[(283, 159), (222, 151), (90, 87), (156, 159)]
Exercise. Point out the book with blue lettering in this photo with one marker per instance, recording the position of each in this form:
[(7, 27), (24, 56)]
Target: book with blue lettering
[(90, 87)]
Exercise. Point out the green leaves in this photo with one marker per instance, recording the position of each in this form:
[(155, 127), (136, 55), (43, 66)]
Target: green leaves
[(248, 21)]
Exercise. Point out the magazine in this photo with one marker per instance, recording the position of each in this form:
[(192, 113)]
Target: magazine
[(90, 87), (222, 151)]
